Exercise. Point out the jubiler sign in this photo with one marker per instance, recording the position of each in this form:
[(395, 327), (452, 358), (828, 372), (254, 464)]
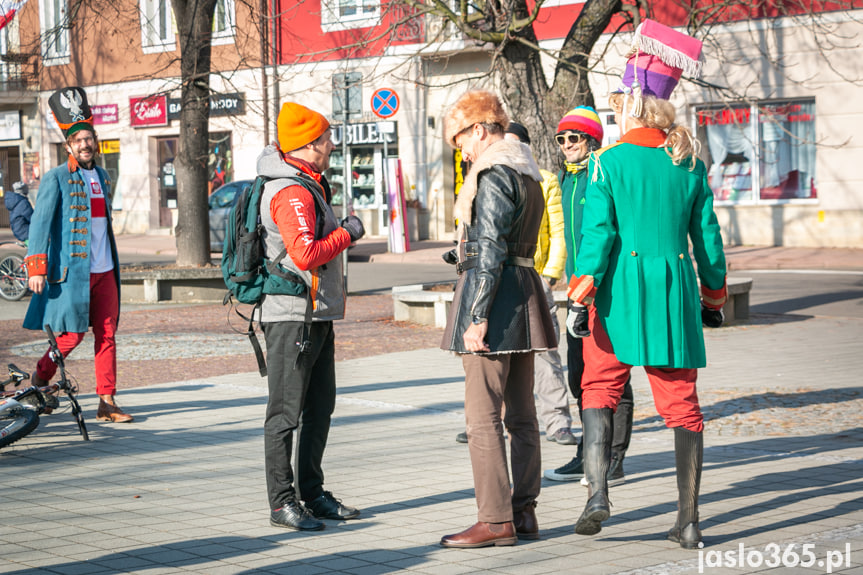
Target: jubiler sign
[(366, 133)]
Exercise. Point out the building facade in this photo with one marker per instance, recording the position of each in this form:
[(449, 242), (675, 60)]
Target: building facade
[(776, 112)]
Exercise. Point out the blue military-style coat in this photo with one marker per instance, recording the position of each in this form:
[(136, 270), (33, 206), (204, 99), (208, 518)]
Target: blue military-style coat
[(59, 248)]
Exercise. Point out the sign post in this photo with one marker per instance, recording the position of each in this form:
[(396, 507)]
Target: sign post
[(347, 95), (385, 104)]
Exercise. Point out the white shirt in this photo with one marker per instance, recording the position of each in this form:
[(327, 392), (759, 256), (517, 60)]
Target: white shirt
[(100, 248)]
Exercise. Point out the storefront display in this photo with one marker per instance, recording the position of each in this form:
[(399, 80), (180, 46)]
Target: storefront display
[(365, 154), (776, 138)]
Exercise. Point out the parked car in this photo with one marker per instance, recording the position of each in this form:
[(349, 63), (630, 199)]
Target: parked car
[(221, 201)]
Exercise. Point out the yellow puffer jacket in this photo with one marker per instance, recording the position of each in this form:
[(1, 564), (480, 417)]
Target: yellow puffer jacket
[(550, 257)]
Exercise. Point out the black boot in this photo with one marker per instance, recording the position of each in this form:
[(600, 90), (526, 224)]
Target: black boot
[(622, 435), (688, 456), (596, 433)]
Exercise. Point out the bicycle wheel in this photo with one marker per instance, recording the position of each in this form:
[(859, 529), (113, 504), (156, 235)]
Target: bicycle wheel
[(16, 424), (13, 277)]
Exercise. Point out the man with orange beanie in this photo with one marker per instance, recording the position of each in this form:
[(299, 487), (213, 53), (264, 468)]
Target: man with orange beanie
[(304, 238)]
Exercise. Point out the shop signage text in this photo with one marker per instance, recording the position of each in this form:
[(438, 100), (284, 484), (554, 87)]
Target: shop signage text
[(148, 111), (365, 133), (220, 105), (105, 114), (768, 113)]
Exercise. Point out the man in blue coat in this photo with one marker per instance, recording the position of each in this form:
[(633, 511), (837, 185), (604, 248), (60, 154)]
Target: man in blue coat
[(72, 257)]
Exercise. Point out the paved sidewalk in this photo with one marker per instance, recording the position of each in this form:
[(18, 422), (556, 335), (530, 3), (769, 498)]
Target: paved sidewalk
[(182, 489)]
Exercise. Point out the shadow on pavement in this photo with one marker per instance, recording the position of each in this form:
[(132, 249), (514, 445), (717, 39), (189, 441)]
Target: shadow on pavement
[(199, 551), (762, 401)]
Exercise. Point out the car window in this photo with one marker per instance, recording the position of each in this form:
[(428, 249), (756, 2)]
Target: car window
[(224, 196)]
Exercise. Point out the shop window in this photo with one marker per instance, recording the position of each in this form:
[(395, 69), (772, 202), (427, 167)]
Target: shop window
[(346, 14), (761, 152), (55, 32), (157, 26), (220, 165)]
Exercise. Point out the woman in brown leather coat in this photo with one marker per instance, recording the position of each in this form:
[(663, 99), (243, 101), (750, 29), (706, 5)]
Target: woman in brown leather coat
[(498, 319)]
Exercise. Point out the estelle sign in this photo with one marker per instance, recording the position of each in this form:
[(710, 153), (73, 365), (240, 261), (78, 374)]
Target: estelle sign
[(148, 111)]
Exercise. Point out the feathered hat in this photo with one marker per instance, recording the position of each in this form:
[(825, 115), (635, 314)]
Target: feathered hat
[(71, 110), (658, 57), (474, 107)]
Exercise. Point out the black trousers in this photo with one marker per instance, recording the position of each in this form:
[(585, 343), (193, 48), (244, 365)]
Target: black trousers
[(302, 393)]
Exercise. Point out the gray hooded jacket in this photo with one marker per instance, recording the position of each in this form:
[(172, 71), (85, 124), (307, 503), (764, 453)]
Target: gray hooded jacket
[(325, 283)]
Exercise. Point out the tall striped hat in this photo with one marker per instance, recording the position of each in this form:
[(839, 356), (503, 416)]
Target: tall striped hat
[(658, 58), (582, 119)]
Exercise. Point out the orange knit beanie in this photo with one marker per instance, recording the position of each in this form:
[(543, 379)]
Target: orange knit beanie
[(299, 126)]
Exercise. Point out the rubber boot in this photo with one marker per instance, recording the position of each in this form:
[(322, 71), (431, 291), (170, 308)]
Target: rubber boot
[(688, 456), (596, 432)]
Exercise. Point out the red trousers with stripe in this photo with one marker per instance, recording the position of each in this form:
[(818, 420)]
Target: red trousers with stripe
[(674, 392), (104, 313)]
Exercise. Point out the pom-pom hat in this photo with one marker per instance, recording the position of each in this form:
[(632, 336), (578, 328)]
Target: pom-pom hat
[(298, 126), (474, 107), (658, 58), (71, 110), (582, 119)]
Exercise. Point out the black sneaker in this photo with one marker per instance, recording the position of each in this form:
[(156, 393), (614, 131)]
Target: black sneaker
[(328, 507), (572, 471), (292, 515)]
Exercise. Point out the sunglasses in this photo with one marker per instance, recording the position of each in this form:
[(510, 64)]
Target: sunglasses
[(570, 137)]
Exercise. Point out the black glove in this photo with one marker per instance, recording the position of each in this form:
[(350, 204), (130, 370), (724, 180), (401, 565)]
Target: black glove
[(450, 257), (355, 228), (576, 320), (711, 317)]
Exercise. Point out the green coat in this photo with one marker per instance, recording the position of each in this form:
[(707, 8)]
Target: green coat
[(640, 212)]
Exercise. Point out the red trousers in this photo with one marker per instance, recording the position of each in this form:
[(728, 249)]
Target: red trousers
[(104, 312), (673, 389)]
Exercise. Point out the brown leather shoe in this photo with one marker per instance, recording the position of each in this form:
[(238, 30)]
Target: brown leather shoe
[(526, 526), (482, 535), (111, 412)]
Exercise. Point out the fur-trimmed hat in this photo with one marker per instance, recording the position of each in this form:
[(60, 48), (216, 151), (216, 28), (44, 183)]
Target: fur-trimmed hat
[(71, 110), (474, 107), (299, 126)]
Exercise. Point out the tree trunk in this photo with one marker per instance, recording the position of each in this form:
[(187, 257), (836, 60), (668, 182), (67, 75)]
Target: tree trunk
[(526, 92), (194, 25)]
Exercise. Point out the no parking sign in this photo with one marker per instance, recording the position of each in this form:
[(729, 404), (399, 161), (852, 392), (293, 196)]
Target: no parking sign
[(385, 102)]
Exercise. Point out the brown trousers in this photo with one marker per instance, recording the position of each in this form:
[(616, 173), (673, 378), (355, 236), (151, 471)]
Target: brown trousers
[(492, 382)]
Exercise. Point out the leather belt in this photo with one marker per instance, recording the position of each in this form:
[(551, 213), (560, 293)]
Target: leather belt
[(520, 261)]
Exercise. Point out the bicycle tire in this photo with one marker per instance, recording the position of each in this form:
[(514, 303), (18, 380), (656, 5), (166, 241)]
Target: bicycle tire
[(13, 277), (17, 424), (79, 418)]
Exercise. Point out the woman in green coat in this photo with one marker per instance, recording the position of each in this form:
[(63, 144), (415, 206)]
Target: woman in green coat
[(647, 198)]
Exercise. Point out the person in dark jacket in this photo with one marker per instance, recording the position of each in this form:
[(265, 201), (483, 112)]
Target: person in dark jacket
[(498, 319), (20, 211)]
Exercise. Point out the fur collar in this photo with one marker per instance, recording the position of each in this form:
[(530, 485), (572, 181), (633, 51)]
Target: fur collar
[(515, 155)]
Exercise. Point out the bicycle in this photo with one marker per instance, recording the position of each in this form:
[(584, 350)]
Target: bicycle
[(20, 410), (13, 274)]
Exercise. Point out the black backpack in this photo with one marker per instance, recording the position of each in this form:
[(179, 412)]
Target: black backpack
[(248, 274)]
